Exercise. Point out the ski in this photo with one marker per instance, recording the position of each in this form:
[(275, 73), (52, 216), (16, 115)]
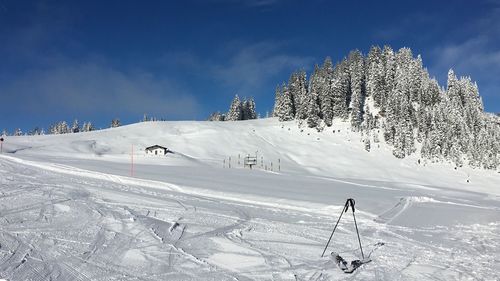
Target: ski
[(348, 267)]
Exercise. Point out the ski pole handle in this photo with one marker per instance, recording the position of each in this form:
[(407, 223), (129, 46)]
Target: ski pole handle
[(349, 202)]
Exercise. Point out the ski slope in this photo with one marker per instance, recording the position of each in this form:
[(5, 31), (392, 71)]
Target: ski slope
[(70, 209)]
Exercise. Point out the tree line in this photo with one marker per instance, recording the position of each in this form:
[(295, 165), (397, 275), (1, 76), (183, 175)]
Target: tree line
[(61, 127), (238, 110), (389, 95)]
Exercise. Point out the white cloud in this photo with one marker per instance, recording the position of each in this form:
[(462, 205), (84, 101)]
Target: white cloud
[(255, 68), (98, 88), (478, 57), (256, 65), (471, 58), (471, 54), (239, 68)]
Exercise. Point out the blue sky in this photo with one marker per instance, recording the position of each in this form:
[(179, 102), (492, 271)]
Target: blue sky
[(96, 60)]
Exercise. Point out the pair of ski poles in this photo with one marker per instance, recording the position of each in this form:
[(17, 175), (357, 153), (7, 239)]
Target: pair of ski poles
[(349, 203)]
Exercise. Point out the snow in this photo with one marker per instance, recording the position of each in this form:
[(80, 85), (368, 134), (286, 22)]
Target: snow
[(70, 210), (234, 257), (62, 208), (134, 257)]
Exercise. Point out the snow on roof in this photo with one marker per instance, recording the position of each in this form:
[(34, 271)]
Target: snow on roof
[(155, 147)]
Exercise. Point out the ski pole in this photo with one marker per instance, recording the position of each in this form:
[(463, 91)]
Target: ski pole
[(359, 240), (341, 213), (351, 201)]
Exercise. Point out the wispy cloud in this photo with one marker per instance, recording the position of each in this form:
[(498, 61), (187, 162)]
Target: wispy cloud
[(54, 83), (472, 54), (97, 88), (478, 56), (256, 65), (245, 69)]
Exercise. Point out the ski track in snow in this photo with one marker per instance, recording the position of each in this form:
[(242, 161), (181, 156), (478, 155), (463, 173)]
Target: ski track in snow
[(112, 230), (67, 217)]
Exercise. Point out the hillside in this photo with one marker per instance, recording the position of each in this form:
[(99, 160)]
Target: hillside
[(71, 210), (390, 96), (337, 154)]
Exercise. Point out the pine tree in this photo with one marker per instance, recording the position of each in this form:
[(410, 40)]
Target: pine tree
[(293, 89), (400, 112), (375, 76), (18, 132), (35, 131), (430, 91), (368, 121), (216, 116), (88, 127), (367, 144), (298, 89), (313, 110), (53, 129), (455, 128), (357, 82), (249, 109), (286, 110), (235, 111), (75, 128), (340, 89), (326, 91), (115, 123), (313, 119), (389, 62), (60, 128), (416, 75), (277, 101)]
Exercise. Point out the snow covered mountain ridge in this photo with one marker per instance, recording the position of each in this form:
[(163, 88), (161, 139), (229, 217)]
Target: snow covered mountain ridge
[(390, 96)]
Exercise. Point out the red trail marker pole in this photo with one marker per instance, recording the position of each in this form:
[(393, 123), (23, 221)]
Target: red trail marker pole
[(132, 162)]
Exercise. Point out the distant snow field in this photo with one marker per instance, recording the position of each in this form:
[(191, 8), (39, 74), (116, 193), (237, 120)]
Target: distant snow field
[(72, 207)]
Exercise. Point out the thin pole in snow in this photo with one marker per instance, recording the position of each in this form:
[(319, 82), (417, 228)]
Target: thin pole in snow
[(132, 162), (331, 235), (357, 231)]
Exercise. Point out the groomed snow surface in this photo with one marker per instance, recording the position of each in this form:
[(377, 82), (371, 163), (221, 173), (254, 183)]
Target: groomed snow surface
[(70, 209)]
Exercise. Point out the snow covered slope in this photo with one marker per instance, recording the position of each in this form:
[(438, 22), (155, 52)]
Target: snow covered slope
[(69, 209), (338, 154)]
